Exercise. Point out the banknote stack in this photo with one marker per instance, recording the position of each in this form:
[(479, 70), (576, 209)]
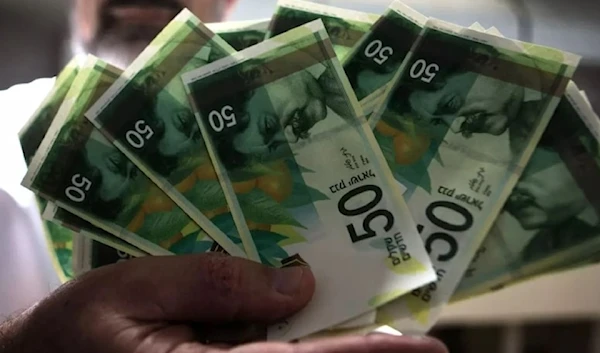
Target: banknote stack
[(408, 161)]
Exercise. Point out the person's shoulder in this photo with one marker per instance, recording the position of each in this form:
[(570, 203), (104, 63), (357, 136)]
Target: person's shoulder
[(19, 102)]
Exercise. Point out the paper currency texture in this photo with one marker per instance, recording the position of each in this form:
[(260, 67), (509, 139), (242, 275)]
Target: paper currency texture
[(345, 27), (458, 126), (551, 218), (58, 239), (374, 60), (147, 116), (77, 168), (303, 176)]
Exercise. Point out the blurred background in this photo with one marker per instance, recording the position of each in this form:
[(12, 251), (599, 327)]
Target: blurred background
[(553, 314)]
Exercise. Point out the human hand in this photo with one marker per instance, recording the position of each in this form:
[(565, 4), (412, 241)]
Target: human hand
[(183, 304)]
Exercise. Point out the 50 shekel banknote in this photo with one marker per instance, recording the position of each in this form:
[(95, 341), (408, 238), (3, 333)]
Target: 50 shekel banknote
[(90, 255), (345, 27), (371, 318), (281, 119), (59, 239), (68, 220), (474, 281), (147, 116), (91, 246), (552, 217), (459, 123), (379, 55), (77, 168)]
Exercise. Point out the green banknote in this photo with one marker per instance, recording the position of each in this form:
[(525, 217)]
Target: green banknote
[(59, 239), (281, 119), (60, 244), (345, 27), (552, 217), (89, 255), (241, 34), (556, 268), (147, 116), (470, 288), (375, 59), (77, 168), (68, 220), (457, 130)]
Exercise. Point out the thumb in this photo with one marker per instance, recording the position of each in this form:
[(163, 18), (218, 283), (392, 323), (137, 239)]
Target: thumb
[(211, 288)]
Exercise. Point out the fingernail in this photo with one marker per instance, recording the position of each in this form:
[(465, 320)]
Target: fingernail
[(287, 280)]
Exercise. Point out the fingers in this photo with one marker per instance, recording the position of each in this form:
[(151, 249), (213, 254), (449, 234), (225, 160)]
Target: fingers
[(367, 344), (231, 334), (207, 288)]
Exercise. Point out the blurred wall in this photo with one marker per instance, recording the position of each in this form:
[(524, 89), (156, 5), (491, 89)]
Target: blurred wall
[(32, 32), (30, 43)]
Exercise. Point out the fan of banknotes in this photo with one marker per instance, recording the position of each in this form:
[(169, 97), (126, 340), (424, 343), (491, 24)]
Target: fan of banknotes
[(408, 161)]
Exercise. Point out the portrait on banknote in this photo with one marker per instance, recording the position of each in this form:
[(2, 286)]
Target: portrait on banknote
[(161, 103), (108, 170), (176, 134), (465, 101), (176, 148), (116, 191), (274, 118), (549, 201)]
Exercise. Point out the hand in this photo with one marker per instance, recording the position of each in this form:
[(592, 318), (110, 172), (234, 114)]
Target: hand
[(180, 305)]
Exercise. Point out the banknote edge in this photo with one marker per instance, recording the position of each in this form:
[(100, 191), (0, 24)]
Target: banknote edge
[(41, 155), (256, 50), (138, 64), (119, 232), (74, 65), (408, 12), (387, 177), (436, 307), (197, 216), (239, 58), (110, 95), (52, 133), (584, 110), (82, 249), (329, 10), (50, 212), (569, 59)]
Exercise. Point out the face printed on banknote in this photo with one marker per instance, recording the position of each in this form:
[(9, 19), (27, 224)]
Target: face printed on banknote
[(275, 117), (466, 102), (176, 136), (549, 201), (450, 103), (547, 196), (112, 171)]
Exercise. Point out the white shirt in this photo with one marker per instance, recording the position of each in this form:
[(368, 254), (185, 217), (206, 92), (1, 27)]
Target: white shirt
[(26, 271)]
